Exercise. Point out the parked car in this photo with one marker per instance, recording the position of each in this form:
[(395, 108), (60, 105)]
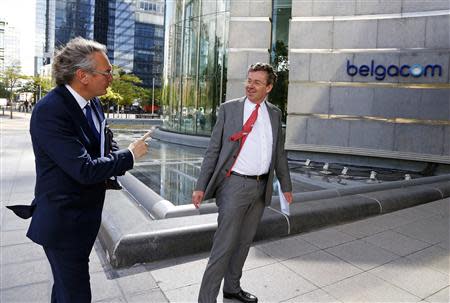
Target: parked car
[(133, 109)]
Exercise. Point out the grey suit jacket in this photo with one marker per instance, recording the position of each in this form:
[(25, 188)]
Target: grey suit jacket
[(221, 151)]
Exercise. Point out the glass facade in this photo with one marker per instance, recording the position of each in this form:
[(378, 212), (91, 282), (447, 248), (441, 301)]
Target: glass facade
[(195, 65), (121, 34), (281, 14), (136, 38), (45, 33), (148, 53), (2, 44), (74, 18)]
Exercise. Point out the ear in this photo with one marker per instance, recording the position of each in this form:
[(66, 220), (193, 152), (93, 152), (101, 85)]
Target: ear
[(82, 76), (269, 88)]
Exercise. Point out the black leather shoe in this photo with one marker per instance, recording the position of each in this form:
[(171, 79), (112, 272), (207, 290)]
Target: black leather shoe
[(242, 296)]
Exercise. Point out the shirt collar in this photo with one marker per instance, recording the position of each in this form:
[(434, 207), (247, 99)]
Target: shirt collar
[(251, 105), (80, 100)]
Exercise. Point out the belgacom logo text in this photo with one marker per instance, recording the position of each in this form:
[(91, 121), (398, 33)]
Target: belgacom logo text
[(380, 71)]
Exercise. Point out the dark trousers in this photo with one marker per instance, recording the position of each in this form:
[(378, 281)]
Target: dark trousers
[(70, 268)]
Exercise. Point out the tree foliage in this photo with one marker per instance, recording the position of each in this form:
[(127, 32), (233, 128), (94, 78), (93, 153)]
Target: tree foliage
[(38, 85), (3, 91), (128, 87), (10, 78)]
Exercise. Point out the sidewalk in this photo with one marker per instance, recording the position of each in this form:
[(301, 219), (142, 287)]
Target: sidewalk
[(398, 257)]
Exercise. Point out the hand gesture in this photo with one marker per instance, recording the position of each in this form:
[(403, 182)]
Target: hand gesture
[(139, 148)]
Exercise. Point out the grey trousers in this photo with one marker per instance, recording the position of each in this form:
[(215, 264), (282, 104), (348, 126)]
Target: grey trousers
[(241, 205)]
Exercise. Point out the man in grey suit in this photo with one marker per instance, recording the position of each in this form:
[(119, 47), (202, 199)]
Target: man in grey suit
[(240, 177)]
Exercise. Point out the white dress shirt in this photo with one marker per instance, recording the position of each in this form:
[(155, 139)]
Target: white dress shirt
[(256, 153), (82, 103)]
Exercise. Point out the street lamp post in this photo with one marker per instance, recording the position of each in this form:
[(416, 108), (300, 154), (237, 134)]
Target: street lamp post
[(153, 97)]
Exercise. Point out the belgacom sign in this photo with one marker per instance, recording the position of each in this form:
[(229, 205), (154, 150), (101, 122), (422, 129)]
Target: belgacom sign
[(380, 72)]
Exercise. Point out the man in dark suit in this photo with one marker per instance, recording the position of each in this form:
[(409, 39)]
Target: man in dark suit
[(67, 132), (245, 150)]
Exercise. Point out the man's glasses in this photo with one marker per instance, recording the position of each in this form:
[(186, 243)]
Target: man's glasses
[(106, 73), (255, 83)]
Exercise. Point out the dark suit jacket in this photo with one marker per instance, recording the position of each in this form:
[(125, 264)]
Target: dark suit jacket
[(70, 174), (221, 151)]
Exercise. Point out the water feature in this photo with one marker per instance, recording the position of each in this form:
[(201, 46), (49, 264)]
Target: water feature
[(171, 171)]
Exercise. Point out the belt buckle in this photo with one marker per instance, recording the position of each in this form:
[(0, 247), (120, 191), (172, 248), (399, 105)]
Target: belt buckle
[(258, 178)]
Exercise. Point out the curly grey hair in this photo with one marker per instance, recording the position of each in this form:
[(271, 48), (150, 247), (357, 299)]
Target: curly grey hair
[(265, 67), (76, 54)]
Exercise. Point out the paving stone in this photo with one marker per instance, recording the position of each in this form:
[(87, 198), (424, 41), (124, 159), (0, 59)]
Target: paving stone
[(413, 213), (405, 274), (390, 220), (19, 274), (95, 265), (257, 258), (275, 282), (441, 207), (155, 296), (442, 296), (360, 229), (321, 268), (137, 283), (316, 296), (36, 293), (287, 248), (22, 253), (396, 243), (14, 237), (366, 287), (11, 222), (445, 244), (362, 254), (327, 238), (112, 300), (432, 230), (433, 257), (187, 294), (180, 275), (103, 288), (21, 197)]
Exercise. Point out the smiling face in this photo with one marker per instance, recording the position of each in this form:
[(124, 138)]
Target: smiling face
[(257, 86)]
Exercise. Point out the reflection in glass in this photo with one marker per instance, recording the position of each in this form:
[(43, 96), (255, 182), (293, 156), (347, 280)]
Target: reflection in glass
[(195, 73), (281, 15)]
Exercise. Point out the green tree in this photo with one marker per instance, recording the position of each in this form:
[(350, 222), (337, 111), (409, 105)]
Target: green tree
[(3, 91), (39, 86), (109, 98), (10, 78), (127, 86)]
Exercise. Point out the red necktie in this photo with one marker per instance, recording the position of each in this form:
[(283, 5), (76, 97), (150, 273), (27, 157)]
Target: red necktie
[(246, 129)]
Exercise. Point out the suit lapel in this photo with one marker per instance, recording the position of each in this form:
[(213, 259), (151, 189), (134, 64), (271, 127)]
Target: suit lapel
[(238, 118), (275, 124), (77, 114)]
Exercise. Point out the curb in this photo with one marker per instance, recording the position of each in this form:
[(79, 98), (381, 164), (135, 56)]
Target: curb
[(130, 235)]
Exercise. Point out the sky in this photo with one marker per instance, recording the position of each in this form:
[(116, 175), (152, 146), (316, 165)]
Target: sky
[(21, 15)]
